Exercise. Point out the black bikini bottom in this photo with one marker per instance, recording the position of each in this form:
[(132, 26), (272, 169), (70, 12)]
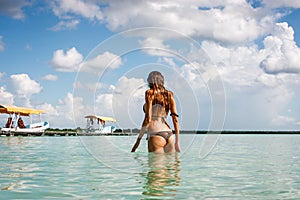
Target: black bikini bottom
[(164, 134)]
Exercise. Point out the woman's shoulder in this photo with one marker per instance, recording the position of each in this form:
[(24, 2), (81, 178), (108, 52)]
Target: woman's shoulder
[(149, 92), (170, 93)]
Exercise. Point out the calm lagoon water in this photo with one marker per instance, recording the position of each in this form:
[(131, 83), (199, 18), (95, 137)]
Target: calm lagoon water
[(239, 167)]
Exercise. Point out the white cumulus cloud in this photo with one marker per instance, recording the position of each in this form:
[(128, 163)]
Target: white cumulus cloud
[(223, 21), (101, 62), (230, 22), (103, 104), (24, 85), (49, 109), (155, 47), (62, 114), (87, 9), (51, 115), (283, 54), (127, 97), (66, 62), (65, 109), (72, 61), (6, 97)]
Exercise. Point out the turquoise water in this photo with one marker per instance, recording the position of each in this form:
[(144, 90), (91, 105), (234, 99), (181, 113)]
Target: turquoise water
[(239, 167)]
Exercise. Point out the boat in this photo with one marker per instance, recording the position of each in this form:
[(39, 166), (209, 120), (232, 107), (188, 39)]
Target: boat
[(98, 124), (15, 123)]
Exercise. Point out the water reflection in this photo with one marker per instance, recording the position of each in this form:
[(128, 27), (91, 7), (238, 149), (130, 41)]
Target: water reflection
[(12, 141), (163, 177), (20, 163)]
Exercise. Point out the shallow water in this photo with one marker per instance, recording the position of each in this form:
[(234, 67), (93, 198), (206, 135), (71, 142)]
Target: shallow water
[(239, 167)]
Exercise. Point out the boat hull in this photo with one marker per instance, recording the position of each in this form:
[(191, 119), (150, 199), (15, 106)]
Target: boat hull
[(105, 130), (39, 127)]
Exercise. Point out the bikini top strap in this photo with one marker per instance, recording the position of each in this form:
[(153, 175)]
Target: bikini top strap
[(174, 114)]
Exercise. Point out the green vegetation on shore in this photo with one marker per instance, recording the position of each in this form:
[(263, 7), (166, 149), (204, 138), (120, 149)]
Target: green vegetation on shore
[(63, 130), (79, 130)]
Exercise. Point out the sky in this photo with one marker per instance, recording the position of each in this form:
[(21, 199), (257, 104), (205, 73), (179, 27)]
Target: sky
[(232, 65)]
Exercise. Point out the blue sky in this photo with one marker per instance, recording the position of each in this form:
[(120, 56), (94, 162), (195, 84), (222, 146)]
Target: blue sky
[(232, 65)]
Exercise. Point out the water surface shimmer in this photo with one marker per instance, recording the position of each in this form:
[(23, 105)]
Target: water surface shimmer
[(239, 167)]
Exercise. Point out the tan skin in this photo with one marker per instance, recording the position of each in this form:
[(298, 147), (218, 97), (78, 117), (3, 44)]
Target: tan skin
[(153, 122)]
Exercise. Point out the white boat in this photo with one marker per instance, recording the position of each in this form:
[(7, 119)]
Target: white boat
[(15, 122), (98, 124)]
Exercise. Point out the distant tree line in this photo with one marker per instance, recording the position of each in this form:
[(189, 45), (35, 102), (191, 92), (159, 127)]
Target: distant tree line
[(78, 129)]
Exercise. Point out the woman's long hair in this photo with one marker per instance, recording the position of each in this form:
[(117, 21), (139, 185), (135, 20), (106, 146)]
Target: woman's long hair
[(159, 93)]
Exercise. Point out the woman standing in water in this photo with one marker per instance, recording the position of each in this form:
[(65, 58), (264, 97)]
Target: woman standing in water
[(159, 102)]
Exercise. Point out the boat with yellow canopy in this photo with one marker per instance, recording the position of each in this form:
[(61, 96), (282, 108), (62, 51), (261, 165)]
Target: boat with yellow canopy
[(15, 122), (97, 124)]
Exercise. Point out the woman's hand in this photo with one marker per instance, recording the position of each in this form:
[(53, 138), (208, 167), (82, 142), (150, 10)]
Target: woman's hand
[(137, 143), (177, 148)]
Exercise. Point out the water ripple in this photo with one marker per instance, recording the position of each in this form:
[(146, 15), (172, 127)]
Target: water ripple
[(240, 167)]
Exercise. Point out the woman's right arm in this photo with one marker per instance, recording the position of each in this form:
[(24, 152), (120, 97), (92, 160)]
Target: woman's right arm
[(138, 140)]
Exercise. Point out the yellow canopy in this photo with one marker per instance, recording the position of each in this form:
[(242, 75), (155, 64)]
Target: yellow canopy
[(110, 119), (19, 110)]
